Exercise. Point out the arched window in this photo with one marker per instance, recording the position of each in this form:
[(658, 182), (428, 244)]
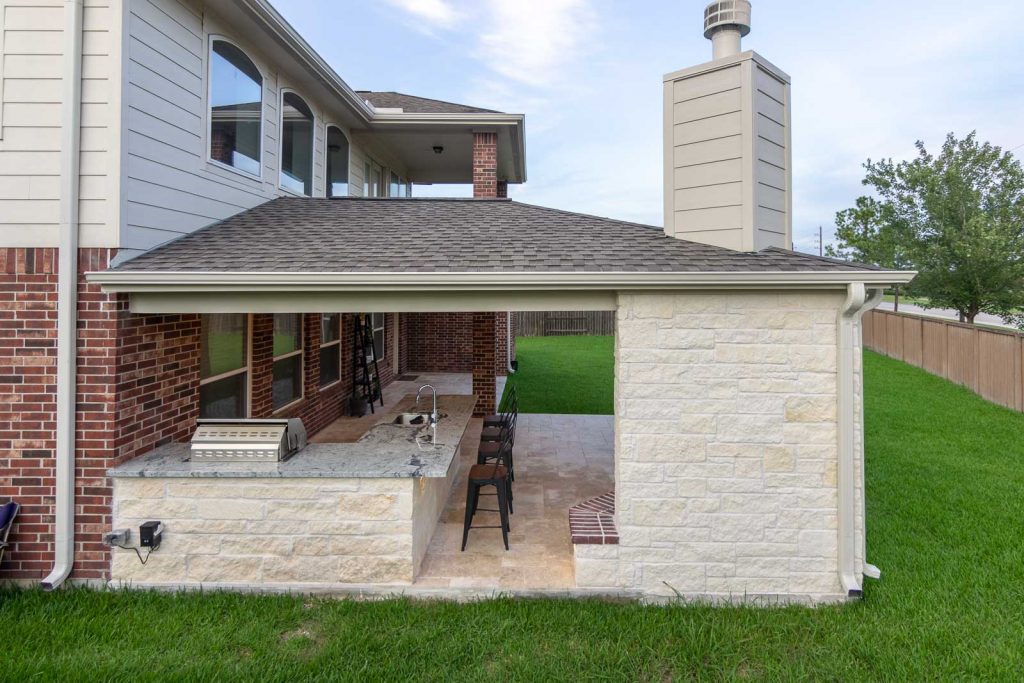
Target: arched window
[(236, 108), (337, 163), (296, 145)]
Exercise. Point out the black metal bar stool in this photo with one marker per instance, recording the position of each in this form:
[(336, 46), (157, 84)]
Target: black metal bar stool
[(494, 432), (498, 419), (494, 474), (490, 451)]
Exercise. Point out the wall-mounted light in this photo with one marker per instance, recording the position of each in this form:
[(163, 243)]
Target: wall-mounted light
[(438, 149)]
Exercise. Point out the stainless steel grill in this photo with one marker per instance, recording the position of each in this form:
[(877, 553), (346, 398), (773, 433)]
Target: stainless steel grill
[(258, 441)]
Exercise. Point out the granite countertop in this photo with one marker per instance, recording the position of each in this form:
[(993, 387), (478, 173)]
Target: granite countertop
[(386, 450)]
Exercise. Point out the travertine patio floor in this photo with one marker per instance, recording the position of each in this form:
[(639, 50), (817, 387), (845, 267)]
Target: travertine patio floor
[(560, 460)]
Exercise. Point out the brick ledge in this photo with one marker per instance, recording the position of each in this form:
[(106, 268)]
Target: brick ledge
[(593, 522)]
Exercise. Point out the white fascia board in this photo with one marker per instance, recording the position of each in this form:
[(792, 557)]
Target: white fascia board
[(155, 281), (478, 120)]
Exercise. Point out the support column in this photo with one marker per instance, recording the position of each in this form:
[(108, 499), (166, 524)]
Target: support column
[(483, 363), (485, 165)]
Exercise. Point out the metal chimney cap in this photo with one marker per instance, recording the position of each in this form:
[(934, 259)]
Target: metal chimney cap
[(727, 14)]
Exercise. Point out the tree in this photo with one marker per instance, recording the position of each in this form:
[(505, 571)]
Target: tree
[(959, 220), (871, 233)]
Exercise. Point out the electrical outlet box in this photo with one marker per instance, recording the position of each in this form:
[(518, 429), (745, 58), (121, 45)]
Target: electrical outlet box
[(150, 534), (117, 537)]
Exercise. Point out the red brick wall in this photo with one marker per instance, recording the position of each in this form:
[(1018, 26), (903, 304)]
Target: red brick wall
[(500, 345), (503, 189), (28, 339), (485, 165), (137, 376), (443, 342), (439, 342), (483, 363)]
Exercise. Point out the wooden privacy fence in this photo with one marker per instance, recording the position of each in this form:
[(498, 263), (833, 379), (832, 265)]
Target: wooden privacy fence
[(989, 362), (563, 323)]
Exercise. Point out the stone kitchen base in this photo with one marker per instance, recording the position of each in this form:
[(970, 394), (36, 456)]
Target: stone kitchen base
[(310, 531)]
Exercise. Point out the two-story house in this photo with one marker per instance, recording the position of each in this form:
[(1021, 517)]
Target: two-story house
[(194, 207)]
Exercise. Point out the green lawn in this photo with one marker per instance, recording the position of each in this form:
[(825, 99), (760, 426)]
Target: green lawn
[(946, 525), (565, 374)]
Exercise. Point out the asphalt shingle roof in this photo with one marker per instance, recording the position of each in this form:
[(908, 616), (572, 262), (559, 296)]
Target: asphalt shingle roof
[(418, 105), (292, 234)]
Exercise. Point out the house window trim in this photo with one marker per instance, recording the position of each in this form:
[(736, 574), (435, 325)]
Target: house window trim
[(327, 151), (383, 333), (336, 342), (301, 351), (211, 38), (247, 368), (280, 143)]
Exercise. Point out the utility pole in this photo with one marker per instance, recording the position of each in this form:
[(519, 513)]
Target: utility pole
[(821, 243)]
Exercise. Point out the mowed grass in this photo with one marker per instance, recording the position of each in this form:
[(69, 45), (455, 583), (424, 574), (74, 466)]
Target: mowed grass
[(945, 477), (565, 375)]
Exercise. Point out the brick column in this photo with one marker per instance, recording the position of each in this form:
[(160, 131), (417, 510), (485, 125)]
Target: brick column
[(485, 165), (262, 369), (503, 188), (483, 363)]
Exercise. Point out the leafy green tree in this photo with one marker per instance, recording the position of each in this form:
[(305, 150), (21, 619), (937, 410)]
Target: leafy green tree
[(957, 217), (870, 232)]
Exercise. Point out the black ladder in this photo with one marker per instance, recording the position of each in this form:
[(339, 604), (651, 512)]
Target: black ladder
[(365, 373)]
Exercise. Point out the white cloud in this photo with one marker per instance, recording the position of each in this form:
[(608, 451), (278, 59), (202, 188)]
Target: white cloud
[(532, 41), (437, 13)]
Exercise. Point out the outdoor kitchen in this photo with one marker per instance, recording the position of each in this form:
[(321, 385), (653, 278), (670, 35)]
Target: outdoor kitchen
[(252, 501)]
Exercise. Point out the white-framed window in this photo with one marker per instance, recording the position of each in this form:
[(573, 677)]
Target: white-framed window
[(297, 123), (373, 179), (235, 109), (330, 349), (377, 325), (394, 185), (224, 365), (337, 162), (287, 382)]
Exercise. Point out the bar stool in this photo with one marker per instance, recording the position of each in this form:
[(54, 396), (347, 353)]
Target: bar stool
[(496, 475), (493, 433), (490, 451), (499, 418)]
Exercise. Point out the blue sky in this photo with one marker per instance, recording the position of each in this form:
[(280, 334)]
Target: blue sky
[(869, 78)]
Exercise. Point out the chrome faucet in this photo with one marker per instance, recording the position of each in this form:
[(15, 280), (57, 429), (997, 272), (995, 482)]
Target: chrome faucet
[(433, 414)]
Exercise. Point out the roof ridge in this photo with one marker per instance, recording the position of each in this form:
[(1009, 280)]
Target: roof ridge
[(480, 110), (822, 259)]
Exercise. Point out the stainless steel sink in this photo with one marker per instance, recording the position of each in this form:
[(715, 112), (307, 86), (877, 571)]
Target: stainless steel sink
[(415, 419), (410, 419)]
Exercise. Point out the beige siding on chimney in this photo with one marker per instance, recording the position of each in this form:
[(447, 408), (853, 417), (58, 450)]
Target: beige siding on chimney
[(707, 142), (727, 156)]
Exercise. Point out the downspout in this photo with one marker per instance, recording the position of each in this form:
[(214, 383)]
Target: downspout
[(67, 298), (508, 344), (858, 302)]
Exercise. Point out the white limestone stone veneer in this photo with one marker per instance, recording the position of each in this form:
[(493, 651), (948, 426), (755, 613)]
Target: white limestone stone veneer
[(726, 448), (280, 531)]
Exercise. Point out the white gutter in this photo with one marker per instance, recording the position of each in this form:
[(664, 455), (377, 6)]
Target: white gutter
[(858, 302), (186, 281), (67, 298)]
